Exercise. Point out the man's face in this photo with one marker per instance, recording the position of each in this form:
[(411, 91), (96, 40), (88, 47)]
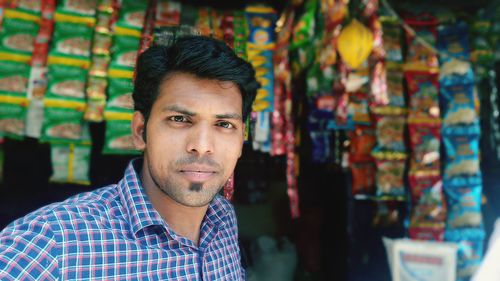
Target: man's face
[(194, 138)]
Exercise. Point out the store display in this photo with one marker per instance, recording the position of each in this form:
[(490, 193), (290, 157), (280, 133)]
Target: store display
[(407, 125)]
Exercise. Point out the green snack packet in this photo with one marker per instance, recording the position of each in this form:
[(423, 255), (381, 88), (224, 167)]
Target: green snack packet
[(12, 119), (17, 37), (132, 15), (118, 138), (71, 40), (66, 82), (120, 94), (14, 78), (29, 6), (82, 8), (62, 121), (240, 34), (125, 50), (70, 163)]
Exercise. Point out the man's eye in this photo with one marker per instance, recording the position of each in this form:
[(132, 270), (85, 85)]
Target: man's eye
[(178, 118), (226, 125)]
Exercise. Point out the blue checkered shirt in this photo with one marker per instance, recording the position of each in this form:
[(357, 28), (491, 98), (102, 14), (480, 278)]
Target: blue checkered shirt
[(114, 233)]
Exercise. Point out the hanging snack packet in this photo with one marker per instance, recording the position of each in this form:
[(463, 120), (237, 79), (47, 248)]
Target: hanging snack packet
[(428, 212), (462, 160), (303, 31), (391, 39), (425, 146), (390, 178), (261, 21), (96, 98), (70, 163), (12, 116), (131, 18), (464, 206), (395, 91), (17, 37), (390, 134), (423, 92), (103, 21), (362, 141), (120, 94), (125, 50), (62, 120), (118, 138), (66, 82), (14, 78), (101, 44), (470, 250), (321, 151), (453, 41), (419, 56), (168, 13), (240, 34), (71, 41), (358, 107), (77, 8), (32, 6), (363, 178), (458, 104), (99, 65)]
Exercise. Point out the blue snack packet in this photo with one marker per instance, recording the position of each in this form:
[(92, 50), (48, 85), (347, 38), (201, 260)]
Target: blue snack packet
[(470, 250), (464, 206)]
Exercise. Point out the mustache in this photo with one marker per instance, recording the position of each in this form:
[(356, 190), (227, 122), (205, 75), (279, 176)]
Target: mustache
[(191, 159)]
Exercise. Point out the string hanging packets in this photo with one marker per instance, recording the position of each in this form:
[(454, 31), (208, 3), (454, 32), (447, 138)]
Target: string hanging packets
[(421, 66), (107, 13), (387, 107), (68, 63), (37, 83), (461, 130), (261, 42), (19, 30)]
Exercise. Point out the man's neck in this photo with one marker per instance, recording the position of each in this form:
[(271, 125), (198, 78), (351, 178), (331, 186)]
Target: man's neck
[(183, 220)]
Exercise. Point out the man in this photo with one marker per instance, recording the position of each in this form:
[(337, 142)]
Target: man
[(164, 220)]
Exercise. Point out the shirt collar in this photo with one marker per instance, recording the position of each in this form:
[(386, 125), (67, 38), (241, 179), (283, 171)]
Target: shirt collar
[(141, 212)]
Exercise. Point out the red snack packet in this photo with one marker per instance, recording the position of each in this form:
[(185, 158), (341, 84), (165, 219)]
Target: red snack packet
[(423, 92), (421, 57), (363, 178), (428, 214), (362, 141), (425, 143)]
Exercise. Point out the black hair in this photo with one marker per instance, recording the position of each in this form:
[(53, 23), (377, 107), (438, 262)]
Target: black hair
[(201, 56)]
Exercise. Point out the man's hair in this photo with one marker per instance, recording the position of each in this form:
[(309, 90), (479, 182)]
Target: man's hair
[(201, 56)]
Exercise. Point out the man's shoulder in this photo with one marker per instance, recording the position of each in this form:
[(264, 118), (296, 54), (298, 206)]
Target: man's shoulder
[(89, 206)]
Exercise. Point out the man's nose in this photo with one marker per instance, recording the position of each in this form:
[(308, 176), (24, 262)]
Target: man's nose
[(201, 139)]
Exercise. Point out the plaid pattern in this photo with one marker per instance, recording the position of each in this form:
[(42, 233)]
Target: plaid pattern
[(114, 233)]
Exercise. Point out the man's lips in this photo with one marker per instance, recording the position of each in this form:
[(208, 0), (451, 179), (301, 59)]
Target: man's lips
[(197, 173)]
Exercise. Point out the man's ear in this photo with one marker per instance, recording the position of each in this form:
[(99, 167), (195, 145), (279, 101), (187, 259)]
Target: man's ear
[(138, 126)]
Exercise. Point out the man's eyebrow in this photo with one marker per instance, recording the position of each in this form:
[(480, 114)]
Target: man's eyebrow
[(184, 111), (178, 109), (229, 116)]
